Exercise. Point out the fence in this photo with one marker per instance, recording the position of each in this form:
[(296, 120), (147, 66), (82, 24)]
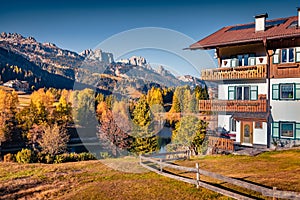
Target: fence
[(217, 143), (153, 160)]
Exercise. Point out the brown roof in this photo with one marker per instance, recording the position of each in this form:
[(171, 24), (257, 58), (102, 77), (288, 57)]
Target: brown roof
[(245, 33)]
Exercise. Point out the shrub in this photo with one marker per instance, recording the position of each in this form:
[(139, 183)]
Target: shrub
[(25, 156), (86, 156), (49, 159), (9, 158), (73, 157), (104, 155)]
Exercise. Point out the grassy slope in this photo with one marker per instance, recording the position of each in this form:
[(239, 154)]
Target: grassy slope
[(94, 180)]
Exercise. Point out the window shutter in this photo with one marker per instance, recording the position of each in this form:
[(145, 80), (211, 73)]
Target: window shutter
[(297, 90), (276, 57), (231, 92), (275, 129), (234, 62), (297, 131), (297, 54), (253, 92), (251, 61), (275, 91)]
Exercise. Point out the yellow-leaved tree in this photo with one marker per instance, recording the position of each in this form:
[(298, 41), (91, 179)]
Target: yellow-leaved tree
[(8, 110)]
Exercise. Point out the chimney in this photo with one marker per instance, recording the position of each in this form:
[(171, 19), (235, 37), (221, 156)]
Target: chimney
[(298, 9), (260, 22)]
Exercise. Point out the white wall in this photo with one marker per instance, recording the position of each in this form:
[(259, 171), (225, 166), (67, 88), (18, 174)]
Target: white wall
[(223, 89), (285, 110), (260, 135), (223, 121)]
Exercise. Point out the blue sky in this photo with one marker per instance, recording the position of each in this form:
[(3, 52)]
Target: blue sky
[(81, 25)]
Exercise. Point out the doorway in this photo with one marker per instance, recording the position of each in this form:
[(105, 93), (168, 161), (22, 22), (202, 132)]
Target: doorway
[(246, 132)]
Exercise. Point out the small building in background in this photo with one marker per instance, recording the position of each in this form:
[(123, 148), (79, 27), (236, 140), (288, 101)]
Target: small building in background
[(17, 85)]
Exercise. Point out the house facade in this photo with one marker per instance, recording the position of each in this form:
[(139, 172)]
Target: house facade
[(258, 78), (17, 85)]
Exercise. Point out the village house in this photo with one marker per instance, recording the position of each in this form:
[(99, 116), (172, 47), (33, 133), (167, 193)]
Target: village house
[(258, 78), (17, 85)]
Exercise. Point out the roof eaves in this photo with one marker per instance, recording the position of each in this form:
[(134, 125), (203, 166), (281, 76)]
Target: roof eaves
[(230, 43)]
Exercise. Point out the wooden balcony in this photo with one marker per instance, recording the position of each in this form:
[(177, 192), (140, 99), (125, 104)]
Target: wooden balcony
[(233, 105), (235, 73)]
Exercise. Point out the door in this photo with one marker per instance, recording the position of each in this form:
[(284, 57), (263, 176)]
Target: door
[(247, 132)]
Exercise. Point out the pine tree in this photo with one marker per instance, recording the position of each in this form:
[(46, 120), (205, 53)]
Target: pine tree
[(85, 108), (144, 141), (190, 132), (154, 96), (175, 104), (141, 113), (63, 110)]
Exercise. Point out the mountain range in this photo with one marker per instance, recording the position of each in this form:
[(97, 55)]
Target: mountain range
[(46, 65)]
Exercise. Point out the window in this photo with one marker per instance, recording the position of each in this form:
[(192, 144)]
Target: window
[(275, 129), (246, 93), (246, 58), (251, 61), (242, 92), (231, 93), (239, 93), (286, 91), (240, 59), (232, 125), (284, 55), (258, 125), (234, 62), (286, 130), (293, 24), (288, 55), (253, 92), (291, 55)]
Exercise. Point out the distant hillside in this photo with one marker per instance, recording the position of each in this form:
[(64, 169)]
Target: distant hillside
[(46, 65), (28, 71)]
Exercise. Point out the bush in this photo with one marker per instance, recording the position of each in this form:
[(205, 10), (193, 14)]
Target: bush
[(86, 156), (28, 156), (104, 155), (73, 157), (9, 158), (49, 159), (25, 156)]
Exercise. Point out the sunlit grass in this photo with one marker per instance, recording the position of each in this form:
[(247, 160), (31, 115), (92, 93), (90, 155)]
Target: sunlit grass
[(95, 180)]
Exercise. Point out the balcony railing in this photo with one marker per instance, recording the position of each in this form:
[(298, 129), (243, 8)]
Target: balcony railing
[(217, 143), (233, 105), (235, 73)]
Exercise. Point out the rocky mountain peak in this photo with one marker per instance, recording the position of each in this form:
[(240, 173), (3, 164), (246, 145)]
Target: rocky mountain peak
[(135, 60), (5, 35), (162, 71), (97, 55)]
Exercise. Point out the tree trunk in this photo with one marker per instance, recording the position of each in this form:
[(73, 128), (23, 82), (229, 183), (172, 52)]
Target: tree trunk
[(0, 151)]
